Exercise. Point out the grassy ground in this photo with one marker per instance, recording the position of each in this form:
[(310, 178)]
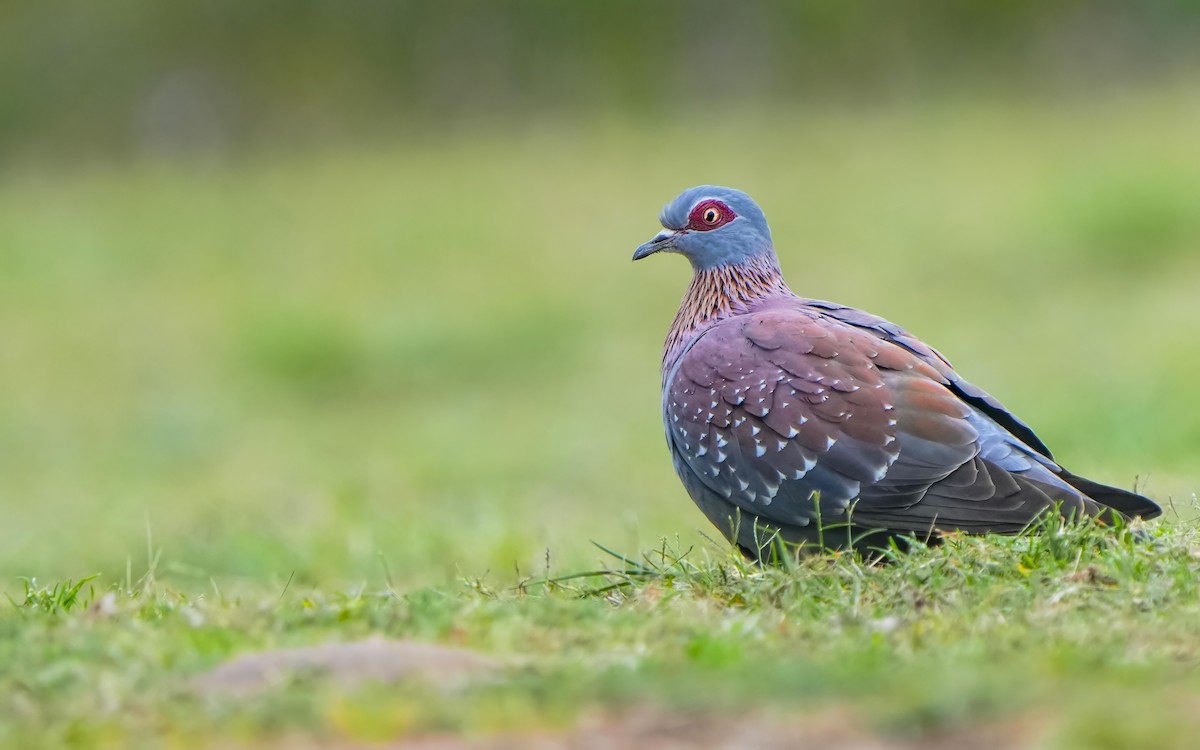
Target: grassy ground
[(373, 390)]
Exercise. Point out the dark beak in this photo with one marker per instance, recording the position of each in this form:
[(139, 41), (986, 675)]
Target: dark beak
[(664, 240)]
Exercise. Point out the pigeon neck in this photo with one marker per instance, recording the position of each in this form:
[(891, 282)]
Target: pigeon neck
[(719, 292)]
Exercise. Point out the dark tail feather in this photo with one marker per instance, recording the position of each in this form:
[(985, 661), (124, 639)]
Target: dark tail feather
[(1125, 502)]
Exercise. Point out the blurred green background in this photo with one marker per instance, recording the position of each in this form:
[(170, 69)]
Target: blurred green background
[(286, 288)]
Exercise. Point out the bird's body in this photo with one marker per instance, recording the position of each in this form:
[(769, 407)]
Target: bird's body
[(821, 424)]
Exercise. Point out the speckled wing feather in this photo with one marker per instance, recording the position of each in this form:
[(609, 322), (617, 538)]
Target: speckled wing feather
[(972, 394), (790, 413), (1129, 503)]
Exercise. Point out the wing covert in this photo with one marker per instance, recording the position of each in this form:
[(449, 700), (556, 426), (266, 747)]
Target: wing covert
[(785, 415), (968, 392)]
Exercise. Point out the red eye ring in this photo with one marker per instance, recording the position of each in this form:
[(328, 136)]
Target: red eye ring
[(710, 214)]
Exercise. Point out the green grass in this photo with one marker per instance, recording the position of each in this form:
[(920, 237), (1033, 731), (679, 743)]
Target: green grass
[(374, 390), (1080, 637)]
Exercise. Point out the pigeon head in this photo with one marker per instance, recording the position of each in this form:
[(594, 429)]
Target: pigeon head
[(712, 226)]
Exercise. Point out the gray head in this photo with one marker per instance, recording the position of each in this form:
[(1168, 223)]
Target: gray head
[(713, 226)]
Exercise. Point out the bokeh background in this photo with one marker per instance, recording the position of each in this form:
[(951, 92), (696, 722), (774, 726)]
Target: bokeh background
[(319, 289)]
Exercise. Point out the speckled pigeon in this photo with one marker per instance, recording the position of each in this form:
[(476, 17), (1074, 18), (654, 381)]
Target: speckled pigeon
[(818, 424)]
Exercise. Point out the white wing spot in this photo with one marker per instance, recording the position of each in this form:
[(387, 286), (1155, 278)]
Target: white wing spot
[(792, 432), (759, 450)]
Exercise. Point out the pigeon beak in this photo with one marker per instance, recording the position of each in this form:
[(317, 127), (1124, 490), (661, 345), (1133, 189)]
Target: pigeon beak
[(664, 240)]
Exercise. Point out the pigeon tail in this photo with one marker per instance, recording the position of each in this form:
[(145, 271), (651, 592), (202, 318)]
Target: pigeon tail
[(1128, 503)]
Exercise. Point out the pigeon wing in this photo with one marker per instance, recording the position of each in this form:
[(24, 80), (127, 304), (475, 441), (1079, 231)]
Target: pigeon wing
[(972, 394), (792, 415)]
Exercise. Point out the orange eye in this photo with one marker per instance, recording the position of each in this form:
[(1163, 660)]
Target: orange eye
[(711, 215)]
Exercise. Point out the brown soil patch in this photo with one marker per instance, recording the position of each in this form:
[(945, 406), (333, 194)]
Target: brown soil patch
[(350, 665)]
